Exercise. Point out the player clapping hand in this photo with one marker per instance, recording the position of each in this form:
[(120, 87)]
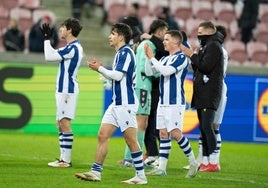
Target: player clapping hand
[(148, 51), (94, 64)]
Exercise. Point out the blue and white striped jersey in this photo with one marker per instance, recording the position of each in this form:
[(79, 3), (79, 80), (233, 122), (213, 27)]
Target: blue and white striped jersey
[(172, 86), (225, 60), (124, 61), (72, 55)]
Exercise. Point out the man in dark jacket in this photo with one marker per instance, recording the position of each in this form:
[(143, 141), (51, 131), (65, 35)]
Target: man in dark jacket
[(248, 19), (13, 39), (36, 38), (208, 75)]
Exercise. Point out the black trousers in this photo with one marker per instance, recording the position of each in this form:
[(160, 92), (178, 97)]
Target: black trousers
[(151, 136), (208, 137), (246, 34)]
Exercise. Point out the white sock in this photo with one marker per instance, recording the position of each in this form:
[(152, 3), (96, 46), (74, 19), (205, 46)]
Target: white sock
[(205, 160), (163, 163), (213, 158), (67, 144)]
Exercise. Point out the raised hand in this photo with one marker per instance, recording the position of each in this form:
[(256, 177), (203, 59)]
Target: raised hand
[(148, 51), (46, 31)]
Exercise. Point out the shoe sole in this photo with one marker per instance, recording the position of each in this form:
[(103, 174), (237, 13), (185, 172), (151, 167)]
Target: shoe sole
[(186, 167), (86, 178), (60, 166), (209, 170), (134, 183), (155, 174)]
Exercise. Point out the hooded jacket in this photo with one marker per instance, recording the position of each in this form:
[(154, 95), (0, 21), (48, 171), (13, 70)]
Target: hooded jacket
[(208, 73)]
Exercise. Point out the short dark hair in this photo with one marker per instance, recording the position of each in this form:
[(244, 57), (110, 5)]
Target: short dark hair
[(156, 24), (74, 24), (222, 30), (175, 34), (123, 29), (208, 25), (165, 10), (136, 6)]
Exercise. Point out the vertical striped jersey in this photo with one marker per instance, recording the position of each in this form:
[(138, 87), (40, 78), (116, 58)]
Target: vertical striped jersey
[(124, 61), (225, 60), (172, 86), (72, 55)]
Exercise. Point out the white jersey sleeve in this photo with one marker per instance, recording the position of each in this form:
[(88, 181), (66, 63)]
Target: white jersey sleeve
[(164, 70), (50, 53), (111, 74)]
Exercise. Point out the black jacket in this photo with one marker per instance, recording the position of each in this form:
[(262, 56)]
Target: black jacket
[(208, 74), (36, 38), (249, 15), (14, 40)]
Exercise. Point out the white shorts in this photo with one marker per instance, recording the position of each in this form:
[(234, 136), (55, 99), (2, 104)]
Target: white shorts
[(220, 111), (170, 117), (120, 116), (66, 105)]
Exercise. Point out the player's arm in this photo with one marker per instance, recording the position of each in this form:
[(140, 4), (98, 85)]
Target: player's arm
[(109, 74), (50, 53), (149, 69), (164, 70)]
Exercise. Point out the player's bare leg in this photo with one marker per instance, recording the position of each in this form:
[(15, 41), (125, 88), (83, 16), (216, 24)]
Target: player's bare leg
[(142, 124), (105, 132)]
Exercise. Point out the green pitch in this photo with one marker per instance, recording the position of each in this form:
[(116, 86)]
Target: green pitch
[(40, 91), (24, 158)]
